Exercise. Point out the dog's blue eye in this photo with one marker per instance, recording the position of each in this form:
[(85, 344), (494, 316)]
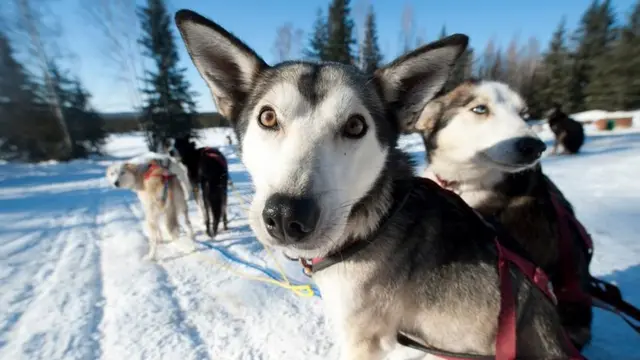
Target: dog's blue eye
[(480, 109)]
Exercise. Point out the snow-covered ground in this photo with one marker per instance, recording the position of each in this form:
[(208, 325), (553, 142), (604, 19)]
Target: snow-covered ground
[(73, 284)]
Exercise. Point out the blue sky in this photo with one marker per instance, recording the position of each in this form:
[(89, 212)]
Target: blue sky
[(255, 22)]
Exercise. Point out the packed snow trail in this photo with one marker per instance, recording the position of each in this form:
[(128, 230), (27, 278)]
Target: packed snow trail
[(73, 284)]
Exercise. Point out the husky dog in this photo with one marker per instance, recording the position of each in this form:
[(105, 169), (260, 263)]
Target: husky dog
[(208, 171), (166, 161), (479, 145), (320, 143), (161, 195), (568, 132)]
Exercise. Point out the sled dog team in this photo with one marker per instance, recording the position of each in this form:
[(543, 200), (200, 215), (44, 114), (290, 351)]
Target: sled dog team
[(482, 257), (164, 182)]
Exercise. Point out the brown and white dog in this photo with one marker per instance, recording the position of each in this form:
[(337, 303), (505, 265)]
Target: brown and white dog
[(479, 146), (161, 195)]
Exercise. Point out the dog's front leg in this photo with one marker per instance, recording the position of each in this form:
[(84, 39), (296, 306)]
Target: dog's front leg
[(367, 337), (357, 347)]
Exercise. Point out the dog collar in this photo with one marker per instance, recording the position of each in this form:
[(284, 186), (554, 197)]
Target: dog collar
[(311, 266), (446, 184)]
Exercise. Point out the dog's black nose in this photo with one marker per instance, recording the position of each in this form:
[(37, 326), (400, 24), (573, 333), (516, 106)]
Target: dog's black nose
[(290, 219), (116, 184), (530, 148)]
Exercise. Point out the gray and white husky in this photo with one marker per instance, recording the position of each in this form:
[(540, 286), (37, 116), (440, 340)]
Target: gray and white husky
[(320, 143)]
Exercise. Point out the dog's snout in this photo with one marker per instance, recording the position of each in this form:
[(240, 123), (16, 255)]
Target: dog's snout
[(530, 148), (116, 183), (290, 219)]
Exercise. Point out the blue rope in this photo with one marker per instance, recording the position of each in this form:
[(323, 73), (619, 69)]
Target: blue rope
[(273, 275)]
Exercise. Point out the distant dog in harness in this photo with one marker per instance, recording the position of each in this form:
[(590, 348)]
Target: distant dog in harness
[(209, 174), (161, 196), (480, 147)]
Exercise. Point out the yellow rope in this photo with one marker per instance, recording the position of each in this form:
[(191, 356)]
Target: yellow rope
[(301, 290)]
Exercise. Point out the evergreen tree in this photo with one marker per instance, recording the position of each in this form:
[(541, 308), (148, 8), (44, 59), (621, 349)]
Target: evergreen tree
[(15, 98), (169, 108), (371, 55), (629, 60), (593, 39), (85, 125), (601, 90), (555, 79), (28, 130), (317, 49), (443, 32), (340, 28)]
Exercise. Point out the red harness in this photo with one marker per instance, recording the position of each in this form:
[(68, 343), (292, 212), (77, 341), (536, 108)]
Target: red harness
[(165, 175), (210, 152), (506, 337)]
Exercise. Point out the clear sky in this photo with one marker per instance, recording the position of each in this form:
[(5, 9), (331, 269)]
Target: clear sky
[(255, 22)]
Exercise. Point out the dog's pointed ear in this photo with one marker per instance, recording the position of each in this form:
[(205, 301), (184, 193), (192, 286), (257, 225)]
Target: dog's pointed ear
[(428, 118), (412, 80), (227, 64)]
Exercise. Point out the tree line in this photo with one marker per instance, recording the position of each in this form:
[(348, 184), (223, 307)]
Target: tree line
[(594, 66), (45, 110)]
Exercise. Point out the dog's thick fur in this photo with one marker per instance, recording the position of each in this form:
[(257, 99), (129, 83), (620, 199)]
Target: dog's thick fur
[(209, 174), (328, 172), (568, 132), (156, 201), (476, 155)]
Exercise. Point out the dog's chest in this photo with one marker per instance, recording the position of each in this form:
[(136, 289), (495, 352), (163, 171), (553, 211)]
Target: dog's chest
[(339, 294)]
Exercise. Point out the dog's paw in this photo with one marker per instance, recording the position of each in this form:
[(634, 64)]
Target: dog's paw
[(149, 257)]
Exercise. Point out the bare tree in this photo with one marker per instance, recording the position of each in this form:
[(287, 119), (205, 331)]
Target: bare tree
[(360, 11), (30, 22), (408, 28), (421, 37), (288, 43), (117, 24)]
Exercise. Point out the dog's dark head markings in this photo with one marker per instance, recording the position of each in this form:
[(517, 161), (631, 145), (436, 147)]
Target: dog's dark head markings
[(315, 137)]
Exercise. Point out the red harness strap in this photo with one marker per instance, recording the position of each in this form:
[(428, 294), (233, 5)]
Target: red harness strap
[(165, 175), (213, 154), (570, 290), (506, 337)]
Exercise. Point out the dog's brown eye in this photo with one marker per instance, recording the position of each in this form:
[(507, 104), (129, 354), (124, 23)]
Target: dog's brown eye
[(355, 128), (480, 109), (267, 118)]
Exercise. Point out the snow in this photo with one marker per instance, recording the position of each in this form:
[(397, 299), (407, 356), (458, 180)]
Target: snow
[(594, 115), (73, 284)]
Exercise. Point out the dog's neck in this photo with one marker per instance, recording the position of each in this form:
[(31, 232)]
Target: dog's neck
[(486, 192)]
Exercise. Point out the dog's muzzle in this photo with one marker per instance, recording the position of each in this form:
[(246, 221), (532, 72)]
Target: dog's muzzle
[(116, 183), (290, 219)]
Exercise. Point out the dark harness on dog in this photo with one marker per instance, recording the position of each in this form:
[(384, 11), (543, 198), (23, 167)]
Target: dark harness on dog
[(601, 294), (507, 318), (165, 175), (212, 153)]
